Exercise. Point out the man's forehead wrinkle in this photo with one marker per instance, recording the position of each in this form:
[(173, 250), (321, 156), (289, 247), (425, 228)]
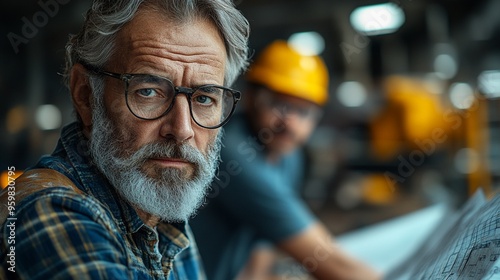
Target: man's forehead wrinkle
[(183, 53), (148, 61)]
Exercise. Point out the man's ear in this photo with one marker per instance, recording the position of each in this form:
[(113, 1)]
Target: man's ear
[(81, 94)]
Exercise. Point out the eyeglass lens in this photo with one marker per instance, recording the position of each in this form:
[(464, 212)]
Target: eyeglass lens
[(150, 97)]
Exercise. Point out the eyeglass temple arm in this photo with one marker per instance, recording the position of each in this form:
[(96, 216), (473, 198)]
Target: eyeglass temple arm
[(99, 71)]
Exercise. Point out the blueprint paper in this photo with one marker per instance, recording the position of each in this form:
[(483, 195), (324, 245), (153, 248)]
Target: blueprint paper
[(387, 244), (466, 245)]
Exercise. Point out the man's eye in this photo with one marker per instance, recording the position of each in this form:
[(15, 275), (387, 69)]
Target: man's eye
[(208, 95), (147, 92), (203, 99)]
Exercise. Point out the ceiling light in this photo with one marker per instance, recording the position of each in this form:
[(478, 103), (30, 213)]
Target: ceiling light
[(307, 43), (489, 83), (377, 19), (351, 94)]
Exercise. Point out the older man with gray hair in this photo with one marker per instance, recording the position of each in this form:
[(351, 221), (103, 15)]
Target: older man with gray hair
[(149, 83)]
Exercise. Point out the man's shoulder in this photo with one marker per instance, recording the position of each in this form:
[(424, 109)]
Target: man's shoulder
[(41, 192), (52, 222), (60, 198), (54, 199), (58, 162)]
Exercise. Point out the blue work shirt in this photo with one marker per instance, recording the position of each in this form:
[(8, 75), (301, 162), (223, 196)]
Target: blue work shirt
[(252, 200), (61, 234)]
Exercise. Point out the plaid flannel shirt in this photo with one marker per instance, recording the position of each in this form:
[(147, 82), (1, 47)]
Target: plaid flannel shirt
[(60, 234)]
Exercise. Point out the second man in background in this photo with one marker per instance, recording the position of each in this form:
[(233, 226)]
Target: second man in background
[(256, 199)]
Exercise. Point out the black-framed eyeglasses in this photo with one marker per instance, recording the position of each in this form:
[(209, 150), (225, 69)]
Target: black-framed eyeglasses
[(272, 100), (151, 97)]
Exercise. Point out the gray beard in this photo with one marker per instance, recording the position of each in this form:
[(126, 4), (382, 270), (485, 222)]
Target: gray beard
[(171, 196)]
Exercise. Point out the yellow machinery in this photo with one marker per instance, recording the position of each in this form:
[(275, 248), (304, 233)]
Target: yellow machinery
[(416, 123)]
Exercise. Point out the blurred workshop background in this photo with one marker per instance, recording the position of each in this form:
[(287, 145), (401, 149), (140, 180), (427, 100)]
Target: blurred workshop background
[(412, 118)]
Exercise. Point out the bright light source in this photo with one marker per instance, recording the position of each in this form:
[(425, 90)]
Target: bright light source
[(461, 95), (48, 117), (307, 43), (377, 19), (489, 83), (445, 66), (351, 94)]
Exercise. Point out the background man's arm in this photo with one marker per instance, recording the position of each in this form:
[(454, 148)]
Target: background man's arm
[(316, 250)]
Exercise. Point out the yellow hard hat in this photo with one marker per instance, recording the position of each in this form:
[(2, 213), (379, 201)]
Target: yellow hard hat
[(281, 68)]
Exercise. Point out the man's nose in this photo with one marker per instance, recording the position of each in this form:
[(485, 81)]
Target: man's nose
[(177, 124)]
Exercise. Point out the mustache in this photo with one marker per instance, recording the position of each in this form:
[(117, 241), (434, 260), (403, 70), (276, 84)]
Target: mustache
[(288, 134), (166, 150)]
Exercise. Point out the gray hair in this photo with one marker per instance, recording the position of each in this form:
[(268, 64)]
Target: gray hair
[(94, 44)]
